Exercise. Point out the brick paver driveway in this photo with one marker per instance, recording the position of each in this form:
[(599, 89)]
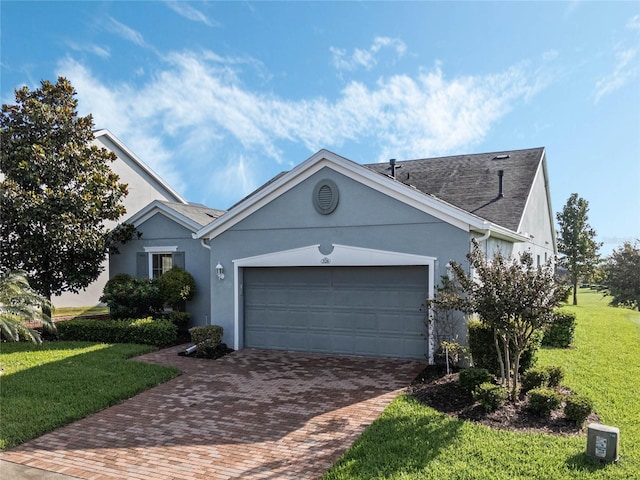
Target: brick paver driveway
[(252, 414)]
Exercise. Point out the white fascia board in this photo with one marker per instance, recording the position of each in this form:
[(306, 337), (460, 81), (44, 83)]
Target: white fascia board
[(146, 168), (404, 193), (158, 207)]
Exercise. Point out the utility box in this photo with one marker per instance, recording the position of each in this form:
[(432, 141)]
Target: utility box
[(603, 442)]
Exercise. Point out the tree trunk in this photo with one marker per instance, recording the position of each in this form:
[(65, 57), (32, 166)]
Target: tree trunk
[(502, 375), (507, 360), (516, 367), (575, 291)]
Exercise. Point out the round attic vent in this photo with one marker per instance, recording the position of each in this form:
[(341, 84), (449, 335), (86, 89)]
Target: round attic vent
[(325, 196)]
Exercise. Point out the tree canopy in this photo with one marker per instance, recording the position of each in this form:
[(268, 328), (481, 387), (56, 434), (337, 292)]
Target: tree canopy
[(511, 295), (622, 275), (576, 240), (56, 192)]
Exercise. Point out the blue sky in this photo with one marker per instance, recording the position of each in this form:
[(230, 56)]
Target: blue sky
[(218, 97)]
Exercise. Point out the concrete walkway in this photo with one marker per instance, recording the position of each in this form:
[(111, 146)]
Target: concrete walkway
[(254, 414)]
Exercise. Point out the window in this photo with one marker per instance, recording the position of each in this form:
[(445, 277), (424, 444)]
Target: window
[(155, 261), (160, 263)]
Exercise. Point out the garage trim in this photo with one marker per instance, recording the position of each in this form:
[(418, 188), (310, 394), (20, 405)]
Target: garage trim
[(340, 256)]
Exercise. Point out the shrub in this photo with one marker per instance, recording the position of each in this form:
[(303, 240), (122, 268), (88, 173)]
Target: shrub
[(207, 339), (212, 333), (578, 408), (177, 286), (534, 378), (470, 378), (559, 334), (556, 375), (179, 319), (143, 330), (483, 348), (130, 297), (542, 401), (490, 395)]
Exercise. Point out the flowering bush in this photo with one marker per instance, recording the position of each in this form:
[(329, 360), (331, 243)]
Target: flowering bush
[(130, 297)]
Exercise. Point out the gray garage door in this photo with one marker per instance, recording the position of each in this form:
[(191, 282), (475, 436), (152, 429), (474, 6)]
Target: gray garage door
[(372, 311)]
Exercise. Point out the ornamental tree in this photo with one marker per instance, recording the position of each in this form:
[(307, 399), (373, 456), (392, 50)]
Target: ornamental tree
[(512, 296), (576, 240), (56, 191)]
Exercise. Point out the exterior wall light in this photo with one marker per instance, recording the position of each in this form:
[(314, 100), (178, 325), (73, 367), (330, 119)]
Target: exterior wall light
[(219, 271)]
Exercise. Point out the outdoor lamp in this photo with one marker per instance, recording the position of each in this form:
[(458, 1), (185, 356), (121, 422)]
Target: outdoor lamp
[(219, 271)]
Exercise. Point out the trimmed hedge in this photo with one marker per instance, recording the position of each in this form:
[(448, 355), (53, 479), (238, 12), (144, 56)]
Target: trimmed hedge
[(210, 333), (179, 319), (483, 348), (471, 378), (490, 396), (534, 378), (143, 330), (542, 401), (207, 338), (578, 408), (130, 297), (560, 333)]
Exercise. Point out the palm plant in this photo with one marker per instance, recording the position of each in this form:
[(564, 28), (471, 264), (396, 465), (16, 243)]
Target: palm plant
[(19, 305)]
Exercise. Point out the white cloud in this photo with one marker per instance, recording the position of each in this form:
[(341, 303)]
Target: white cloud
[(625, 70), (195, 115), (125, 32), (367, 58), (634, 23), (190, 13), (91, 48)]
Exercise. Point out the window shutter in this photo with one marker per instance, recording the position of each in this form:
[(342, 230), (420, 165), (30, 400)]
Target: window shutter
[(142, 265), (178, 260)]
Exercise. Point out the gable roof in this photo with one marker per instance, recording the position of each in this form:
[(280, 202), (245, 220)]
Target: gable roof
[(471, 181), (132, 157), (410, 195), (192, 216)]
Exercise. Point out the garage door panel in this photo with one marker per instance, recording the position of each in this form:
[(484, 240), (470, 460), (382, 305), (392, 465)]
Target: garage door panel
[(372, 311)]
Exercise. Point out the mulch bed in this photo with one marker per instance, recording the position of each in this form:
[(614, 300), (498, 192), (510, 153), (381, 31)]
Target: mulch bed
[(442, 392)]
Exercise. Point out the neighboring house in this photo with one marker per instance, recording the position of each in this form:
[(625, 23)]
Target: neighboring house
[(144, 187), (338, 257), (167, 240)]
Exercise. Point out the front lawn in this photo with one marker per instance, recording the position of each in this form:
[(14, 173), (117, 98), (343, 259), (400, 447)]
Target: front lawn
[(413, 441), (47, 386)]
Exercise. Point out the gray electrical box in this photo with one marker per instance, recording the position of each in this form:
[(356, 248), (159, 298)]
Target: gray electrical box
[(603, 442)]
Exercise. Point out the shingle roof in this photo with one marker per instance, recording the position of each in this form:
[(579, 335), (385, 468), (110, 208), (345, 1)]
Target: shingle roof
[(196, 212), (470, 182)]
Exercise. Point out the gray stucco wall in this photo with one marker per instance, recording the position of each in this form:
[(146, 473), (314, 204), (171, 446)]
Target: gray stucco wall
[(364, 218), (159, 231)]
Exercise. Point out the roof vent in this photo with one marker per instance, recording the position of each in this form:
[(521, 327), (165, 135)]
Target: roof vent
[(393, 167), (325, 196), (500, 175), (501, 157)]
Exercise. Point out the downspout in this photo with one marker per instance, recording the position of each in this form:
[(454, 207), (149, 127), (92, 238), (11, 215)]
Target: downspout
[(484, 237), (203, 242)]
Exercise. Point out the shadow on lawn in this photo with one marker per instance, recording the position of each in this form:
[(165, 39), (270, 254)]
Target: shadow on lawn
[(580, 462)]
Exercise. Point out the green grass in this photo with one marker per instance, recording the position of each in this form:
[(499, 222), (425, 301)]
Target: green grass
[(413, 441), (79, 311), (47, 386)]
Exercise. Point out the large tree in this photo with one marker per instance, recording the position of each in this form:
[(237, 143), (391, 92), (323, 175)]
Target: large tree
[(512, 296), (576, 240), (56, 192), (622, 275)]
